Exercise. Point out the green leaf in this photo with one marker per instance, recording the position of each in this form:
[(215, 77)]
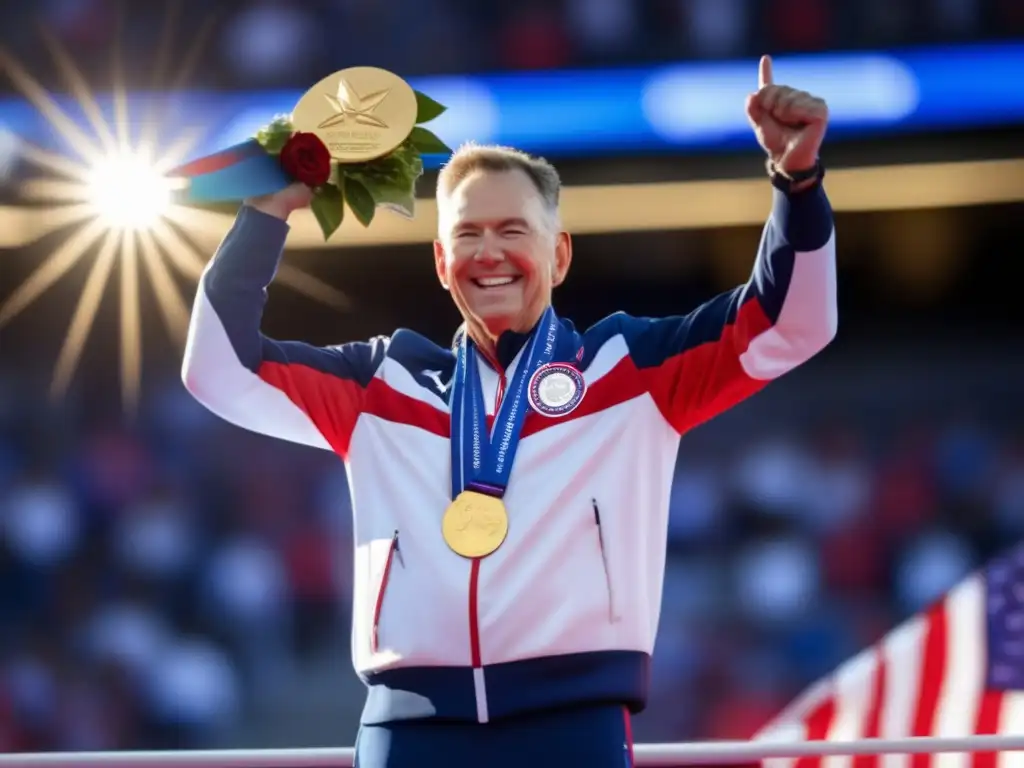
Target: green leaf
[(426, 108), (328, 205), (360, 201), (427, 143), (399, 198), (391, 180), (275, 134)]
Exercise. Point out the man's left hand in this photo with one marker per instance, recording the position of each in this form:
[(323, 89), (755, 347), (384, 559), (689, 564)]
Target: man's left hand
[(790, 124)]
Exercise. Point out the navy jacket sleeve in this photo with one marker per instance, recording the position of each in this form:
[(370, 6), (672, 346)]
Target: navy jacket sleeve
[(697, 365), (289, 390)]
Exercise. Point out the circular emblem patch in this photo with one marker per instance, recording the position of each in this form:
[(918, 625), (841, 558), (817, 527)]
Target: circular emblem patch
[(556, 389)]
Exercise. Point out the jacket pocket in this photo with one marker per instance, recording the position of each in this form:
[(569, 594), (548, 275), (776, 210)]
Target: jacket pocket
[(394, 553), (613, 608)]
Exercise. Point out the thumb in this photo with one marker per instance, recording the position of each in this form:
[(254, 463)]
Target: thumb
[(764, 75)]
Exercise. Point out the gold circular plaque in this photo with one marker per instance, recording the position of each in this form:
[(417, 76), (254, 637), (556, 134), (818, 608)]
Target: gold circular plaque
[(360, 113), (475, 524)]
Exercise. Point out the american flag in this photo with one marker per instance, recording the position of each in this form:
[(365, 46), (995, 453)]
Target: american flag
[(954, 670)]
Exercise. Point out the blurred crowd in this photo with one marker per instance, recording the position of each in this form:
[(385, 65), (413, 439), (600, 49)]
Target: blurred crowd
[(264, 43), (157, 582)]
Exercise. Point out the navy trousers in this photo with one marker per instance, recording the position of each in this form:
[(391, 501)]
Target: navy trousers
[(595, 737)]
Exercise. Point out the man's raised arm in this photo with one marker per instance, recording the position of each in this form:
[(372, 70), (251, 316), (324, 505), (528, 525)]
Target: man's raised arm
[(289, 390), (695, 366), (698, 365)]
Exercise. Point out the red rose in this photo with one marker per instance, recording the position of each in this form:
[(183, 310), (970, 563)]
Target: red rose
[(306, 159)]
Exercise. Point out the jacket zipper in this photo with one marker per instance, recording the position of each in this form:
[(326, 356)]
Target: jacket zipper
[(393, 551), (474, 584), (613, 615)]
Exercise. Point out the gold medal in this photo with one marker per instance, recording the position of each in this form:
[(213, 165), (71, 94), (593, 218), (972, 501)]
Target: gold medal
[(360, 113), (475, 524)]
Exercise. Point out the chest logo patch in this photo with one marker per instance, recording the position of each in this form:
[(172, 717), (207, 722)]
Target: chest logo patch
[(556, 389)]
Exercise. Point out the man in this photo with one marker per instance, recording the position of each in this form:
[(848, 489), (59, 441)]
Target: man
[(511, 492)]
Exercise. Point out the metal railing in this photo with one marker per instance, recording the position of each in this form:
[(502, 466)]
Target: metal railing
[(675, 755)]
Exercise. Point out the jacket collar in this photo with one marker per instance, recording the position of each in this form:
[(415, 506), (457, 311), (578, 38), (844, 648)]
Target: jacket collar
[(509, 344)]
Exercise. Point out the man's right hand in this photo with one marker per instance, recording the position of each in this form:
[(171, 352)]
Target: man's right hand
[(281, 204)]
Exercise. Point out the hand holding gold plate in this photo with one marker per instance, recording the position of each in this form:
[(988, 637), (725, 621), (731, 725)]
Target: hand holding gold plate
[(365, 124)]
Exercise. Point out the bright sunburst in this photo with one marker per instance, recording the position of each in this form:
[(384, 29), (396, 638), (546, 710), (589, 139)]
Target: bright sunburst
[(128, 192), (115, 205)]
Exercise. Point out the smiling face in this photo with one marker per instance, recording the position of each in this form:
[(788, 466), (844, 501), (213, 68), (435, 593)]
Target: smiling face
[(500, 253)]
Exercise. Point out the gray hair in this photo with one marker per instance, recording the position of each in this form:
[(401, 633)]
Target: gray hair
[(493, 158)]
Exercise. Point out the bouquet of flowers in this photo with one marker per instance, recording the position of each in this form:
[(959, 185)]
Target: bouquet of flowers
[(386, 182)]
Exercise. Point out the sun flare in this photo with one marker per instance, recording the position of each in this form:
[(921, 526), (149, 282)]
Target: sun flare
[(115, 207), (128, 192)]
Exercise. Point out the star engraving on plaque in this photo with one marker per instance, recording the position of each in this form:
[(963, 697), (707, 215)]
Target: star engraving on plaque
[(349, 105)]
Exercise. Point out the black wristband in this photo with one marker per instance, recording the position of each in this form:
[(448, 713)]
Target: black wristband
[(786, 181)]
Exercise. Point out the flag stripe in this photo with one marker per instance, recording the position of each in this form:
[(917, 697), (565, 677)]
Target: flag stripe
[(1011, 721), (873, 725), (902, 653), (819, 724), (932, 672), (963, 682), (854, 683), (987, 724)]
